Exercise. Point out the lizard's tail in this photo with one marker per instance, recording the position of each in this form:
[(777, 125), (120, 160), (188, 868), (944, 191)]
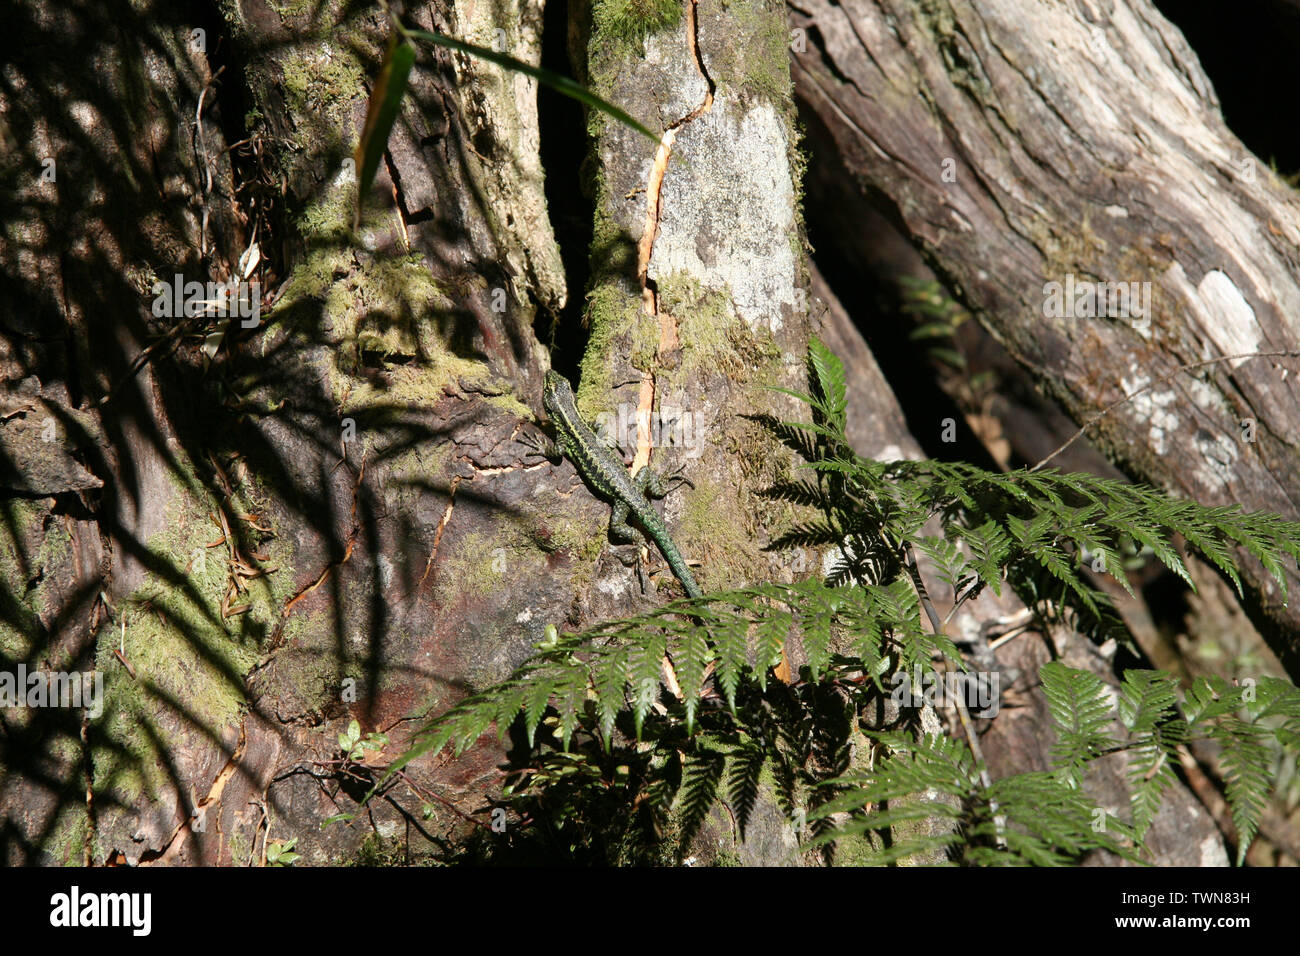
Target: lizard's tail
[(659, 533), (678, 564)]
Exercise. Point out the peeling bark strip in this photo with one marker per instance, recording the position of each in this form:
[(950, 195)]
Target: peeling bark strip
[(197, 821), (1011, 173), (654, 186), (668, 341)]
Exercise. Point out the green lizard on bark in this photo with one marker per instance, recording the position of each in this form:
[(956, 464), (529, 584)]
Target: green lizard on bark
[(604, 473)]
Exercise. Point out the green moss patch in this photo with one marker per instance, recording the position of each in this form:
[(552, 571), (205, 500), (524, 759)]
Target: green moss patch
[(631, 21), (756, 61), (619, 326), (387, 322), (22, 522), (322, 79), (709, 533), (189, 662)]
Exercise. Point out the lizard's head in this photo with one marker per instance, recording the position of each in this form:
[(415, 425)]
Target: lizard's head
[(557, 393)]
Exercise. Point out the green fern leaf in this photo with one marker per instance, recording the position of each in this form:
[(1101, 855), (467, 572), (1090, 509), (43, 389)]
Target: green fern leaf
[(644, 670), (831, 387), (744, 775), (1147, 707), (537, 696), (1247, 764), (701, 774), (1081, 709)]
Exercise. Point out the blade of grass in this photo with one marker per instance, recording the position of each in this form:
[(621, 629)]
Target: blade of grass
[(556, 81), (385, 100)]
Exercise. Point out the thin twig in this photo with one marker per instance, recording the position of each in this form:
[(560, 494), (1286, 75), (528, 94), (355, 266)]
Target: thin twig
[(207, 162), (972, 739)]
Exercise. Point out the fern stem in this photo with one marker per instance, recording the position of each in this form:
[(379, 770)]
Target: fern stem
[(972, 739)]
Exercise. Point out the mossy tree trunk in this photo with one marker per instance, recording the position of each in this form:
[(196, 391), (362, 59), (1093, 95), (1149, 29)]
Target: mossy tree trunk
[(328, 516), (112, 177), (279, 542), (698, 301)]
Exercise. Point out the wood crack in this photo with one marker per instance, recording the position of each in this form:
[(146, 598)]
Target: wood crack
[(645, 248)]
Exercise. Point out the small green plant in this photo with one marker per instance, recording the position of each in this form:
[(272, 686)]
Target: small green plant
[(938, 317), (621, 770), (280, 852), (358, 748)]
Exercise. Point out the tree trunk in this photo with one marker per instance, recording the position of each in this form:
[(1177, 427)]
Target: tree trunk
[(330, 516), (1019, 144)]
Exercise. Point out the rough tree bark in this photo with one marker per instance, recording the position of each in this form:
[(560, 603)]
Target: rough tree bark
[(1019, 143), (330, 517), (101, 194)]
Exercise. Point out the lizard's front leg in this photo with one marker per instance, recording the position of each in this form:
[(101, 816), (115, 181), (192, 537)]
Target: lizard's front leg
[(541, 444)]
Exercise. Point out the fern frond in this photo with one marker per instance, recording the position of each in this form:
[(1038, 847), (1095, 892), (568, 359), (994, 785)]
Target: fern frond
[(771, 635), (1247, 764), (830, 387), (1147, 699), (947, 558), (745, 769), (990, 548), (1278, 701), (609, 672), (701, 776), (1033, 818), (1148, 709), (1211, 696), (1046, 823), (644, 670), (732, 656), (536, 699), (692, 659), (932, 763), (1081, 709)]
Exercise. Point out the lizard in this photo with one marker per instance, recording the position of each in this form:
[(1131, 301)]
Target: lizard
[(608, 479)]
